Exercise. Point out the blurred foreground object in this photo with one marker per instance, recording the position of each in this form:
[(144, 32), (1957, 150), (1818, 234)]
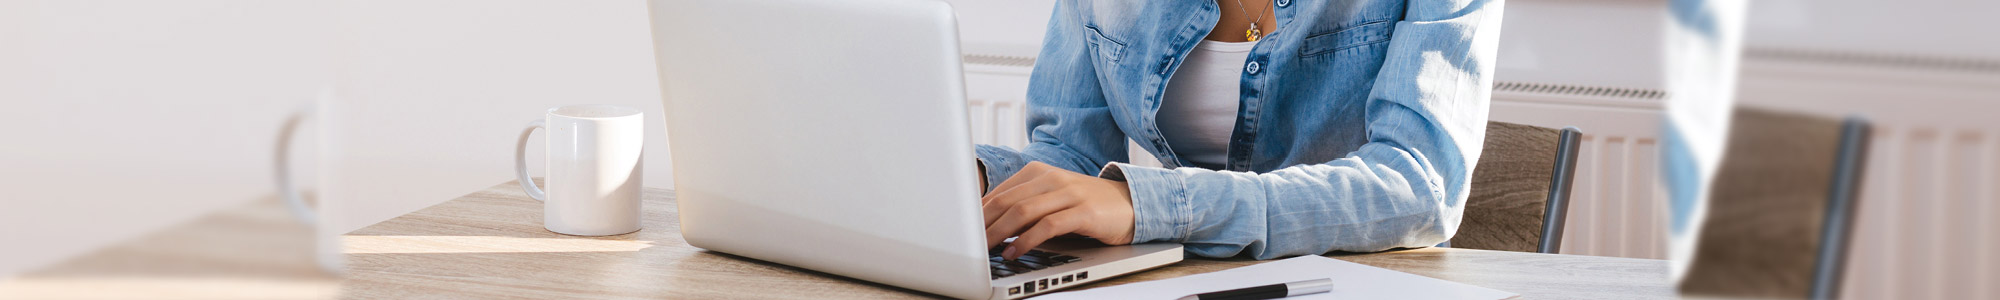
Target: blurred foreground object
[(256, 251), (1704, 43), (1781, 209)]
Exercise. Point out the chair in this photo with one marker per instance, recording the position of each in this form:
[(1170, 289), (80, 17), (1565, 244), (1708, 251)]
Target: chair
[(1520, 189), (1780, 208)]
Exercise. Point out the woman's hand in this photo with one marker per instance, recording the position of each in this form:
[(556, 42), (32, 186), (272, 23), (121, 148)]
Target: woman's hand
[(1042, 202)]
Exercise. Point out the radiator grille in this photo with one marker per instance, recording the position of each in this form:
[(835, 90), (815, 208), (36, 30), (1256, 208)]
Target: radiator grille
[(999, 60), (1579, 90), (1906, 61)]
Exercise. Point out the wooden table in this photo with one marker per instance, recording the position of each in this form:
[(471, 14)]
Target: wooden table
[(490, 244)]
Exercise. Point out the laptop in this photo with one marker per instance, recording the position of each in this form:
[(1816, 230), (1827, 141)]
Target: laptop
[(833, 136)]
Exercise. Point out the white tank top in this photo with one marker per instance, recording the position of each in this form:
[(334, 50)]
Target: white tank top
[(1198, 112)]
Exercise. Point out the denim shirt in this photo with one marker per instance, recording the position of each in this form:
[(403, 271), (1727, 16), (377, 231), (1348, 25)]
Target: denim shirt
[(1359, 126)]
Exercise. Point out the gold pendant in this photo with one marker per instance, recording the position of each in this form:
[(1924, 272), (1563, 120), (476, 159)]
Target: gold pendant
[(1253, 34)]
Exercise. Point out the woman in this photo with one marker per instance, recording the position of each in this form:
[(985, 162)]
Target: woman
[(1290, 127)]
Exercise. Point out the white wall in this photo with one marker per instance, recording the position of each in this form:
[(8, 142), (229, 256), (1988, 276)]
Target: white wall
[(1010, 27), (1948, 28), (431, 94)]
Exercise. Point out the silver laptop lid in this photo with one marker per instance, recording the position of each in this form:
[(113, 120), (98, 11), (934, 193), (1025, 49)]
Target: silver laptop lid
[(828, 135)]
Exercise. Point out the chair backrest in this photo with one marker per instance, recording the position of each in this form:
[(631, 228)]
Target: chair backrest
[(1780, 208), (1520, 189)]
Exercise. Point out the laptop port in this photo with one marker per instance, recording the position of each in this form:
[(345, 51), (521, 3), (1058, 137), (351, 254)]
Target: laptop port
[(1083, 275), (1044, 283), (1068, 278), (1030, 287), (1013, 290)]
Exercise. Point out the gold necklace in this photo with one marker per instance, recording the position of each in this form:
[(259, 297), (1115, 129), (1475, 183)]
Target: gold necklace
[(1253, 34)]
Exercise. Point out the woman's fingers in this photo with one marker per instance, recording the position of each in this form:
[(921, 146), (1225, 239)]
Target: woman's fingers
[(1026, 213), (1042, 202), (998, 203), (1027, 172), (1051, 226)]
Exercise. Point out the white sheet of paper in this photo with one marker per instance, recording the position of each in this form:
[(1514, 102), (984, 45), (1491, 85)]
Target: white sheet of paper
[(1350, 281)]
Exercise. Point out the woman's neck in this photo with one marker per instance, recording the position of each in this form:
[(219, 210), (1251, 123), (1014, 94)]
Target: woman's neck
[(1236, 19)]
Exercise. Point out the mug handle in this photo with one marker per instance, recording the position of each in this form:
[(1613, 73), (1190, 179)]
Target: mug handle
[(282, 170), (521, 163)]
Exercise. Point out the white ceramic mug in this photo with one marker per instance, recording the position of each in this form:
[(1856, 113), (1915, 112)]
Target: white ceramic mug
[(593, 164)]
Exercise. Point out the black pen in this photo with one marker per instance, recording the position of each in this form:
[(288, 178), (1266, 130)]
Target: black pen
[(1274, 291)]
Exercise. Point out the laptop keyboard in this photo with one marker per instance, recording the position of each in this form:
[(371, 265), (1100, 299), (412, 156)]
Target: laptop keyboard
[(1029, 262)]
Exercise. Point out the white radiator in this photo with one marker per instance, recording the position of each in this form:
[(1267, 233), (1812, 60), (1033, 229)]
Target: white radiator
[(1925, 228), (996, 94), (1616, 207)]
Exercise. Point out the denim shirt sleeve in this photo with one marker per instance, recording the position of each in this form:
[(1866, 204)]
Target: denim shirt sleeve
[(1070, 124), (1406, 187)]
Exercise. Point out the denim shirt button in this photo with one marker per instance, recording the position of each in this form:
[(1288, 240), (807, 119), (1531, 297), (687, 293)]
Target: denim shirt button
[(1283, 3), (1252, 68)]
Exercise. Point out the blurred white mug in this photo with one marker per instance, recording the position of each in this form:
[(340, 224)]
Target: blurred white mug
[(326, 239), (594, 157)]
